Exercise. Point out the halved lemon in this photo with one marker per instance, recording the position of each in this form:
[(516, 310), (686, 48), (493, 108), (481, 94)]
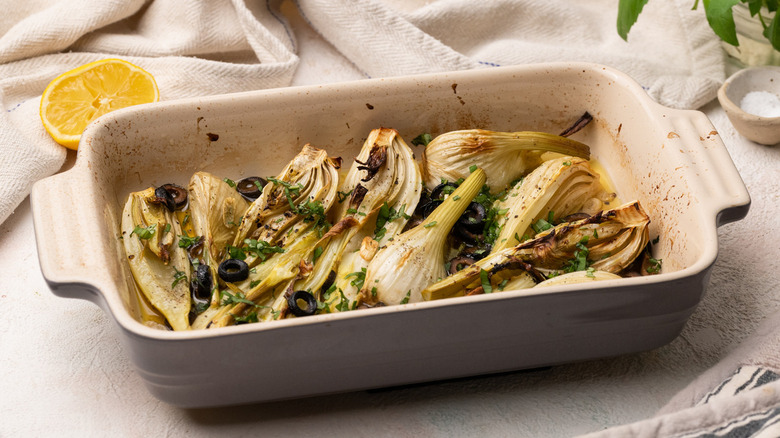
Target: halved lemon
[(77, 97)]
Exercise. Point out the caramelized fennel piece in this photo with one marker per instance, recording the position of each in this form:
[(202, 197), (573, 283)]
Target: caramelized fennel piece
[(384, 186), (607, 241), (215, 210), (578, 277), (562, 185), (287, 218), (248, 297), (414, 259), (290, 202), (160, 268), (505, 156)]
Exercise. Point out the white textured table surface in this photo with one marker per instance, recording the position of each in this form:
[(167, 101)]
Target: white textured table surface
[(62, 369)]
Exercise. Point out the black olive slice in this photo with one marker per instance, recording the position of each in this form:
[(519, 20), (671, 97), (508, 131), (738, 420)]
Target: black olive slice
[(163, 196), (416, 219), (425, 197), (251, 187), (201, 284), (459, 263), (178, 193), (195, 251), (428, 208), (473, 218), (466, 235), (294, 303), (328, 282), (233, 270), (475, 252), (438, 191)]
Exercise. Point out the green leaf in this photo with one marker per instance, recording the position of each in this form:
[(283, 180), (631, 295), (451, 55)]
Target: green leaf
[(344, 195), (317, 253), (772, 32), (628, 12), (239, 297), (248, 319), (144, 233), (186, 242), (422, 139), (260, 248), (313, 211), (580, 260), (178, 276), (343, 304), (541, 225), (236, 253), (721, 19), (654, 266), (484, 278), (289, 189), (754, 6), (360, 278)]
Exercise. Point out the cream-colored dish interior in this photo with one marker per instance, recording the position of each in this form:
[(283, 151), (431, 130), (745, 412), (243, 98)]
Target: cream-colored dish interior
[(644, 148)]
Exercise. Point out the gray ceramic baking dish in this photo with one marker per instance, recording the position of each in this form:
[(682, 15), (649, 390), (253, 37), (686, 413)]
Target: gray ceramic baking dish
[(672, 161)]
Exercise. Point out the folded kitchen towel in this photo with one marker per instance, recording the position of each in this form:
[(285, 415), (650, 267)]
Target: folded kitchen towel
[(671, 50), (192, 48), (739, 397)]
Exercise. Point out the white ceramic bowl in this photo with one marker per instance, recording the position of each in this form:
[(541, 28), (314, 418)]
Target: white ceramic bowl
[(760, 129), (672, 161)]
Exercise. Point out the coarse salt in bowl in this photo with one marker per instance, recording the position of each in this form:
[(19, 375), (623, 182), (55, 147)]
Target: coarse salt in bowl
[(751, 99)]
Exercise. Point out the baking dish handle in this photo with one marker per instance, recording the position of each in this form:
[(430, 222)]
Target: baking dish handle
[(721, 186), (61, 217)]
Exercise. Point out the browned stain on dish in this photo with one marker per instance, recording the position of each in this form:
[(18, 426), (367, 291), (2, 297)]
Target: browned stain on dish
[(369, 106), (212, 136), (455, 90), (672, 134)]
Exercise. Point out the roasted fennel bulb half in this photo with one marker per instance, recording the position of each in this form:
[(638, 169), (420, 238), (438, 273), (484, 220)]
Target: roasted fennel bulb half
[(150, 231), (276, 232), (376, 198), (296, 199), (504, 156), (608, 241), (415, 258), (551, 193), (215, 210)]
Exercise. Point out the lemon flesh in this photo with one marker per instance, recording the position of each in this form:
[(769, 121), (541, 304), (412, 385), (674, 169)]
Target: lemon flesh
[(77, 97)]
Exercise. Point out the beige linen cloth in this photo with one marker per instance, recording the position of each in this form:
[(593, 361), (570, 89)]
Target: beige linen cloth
[(196, 48)]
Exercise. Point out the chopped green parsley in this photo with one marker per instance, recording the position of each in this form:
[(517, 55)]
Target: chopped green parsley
[(144, 233)]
